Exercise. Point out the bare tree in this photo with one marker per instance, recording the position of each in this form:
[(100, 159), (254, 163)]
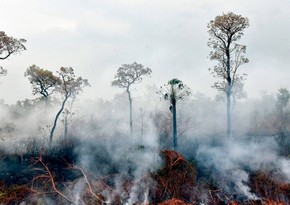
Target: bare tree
[(70, 87), (127, 75), (9, 45), (43, 82), (174, 90), (224, 33)]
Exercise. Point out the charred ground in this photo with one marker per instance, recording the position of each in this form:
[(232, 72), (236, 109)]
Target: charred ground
[(57, 176)]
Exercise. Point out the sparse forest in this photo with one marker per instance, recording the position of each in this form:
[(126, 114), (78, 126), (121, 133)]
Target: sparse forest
[(170, 145)]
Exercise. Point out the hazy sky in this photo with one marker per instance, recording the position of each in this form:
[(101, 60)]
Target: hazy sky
[(96, 37)]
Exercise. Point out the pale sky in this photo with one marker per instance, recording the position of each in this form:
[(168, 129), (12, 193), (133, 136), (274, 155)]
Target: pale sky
[(95, 37)]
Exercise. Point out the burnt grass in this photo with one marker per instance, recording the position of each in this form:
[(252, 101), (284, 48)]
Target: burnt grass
[(177, 181), (20, 169)]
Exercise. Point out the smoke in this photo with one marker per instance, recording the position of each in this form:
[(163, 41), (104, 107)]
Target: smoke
[(124, 157), (26, 125), (103, 147), (107, 149), (285, 167), (232, 160), (78, 188)]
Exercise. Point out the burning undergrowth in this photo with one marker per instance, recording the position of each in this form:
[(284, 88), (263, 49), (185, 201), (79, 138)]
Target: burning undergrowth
[(270, 185), (124, 171), (13, 194), (176, 179), (230, 165)]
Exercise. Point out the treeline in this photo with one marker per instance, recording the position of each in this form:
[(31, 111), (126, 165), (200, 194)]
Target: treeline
[(198, 117), (207, 118)]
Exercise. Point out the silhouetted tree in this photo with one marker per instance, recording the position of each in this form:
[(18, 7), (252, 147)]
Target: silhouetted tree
[(224, 33), (43, 82), (127, 75), (9, 45), (174, 90), (70, 87)]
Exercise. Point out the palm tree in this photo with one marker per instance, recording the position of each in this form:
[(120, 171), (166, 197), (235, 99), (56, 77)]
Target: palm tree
[(174, 90)]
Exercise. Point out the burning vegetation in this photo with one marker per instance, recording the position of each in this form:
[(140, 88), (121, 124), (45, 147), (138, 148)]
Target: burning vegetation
[(95, 158), (48, 178), (175, 179)]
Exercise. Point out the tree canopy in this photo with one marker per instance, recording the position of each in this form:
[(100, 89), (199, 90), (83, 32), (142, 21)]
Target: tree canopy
[(224, 33), (174, 90), (43, 81), (129, 74), (70, 85), (9, 45)]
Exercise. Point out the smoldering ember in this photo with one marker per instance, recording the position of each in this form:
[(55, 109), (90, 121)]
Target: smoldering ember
[(165, 143)]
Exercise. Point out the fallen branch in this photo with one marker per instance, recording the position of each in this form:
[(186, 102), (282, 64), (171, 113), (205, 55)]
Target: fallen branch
[(87, 182), (48, 175)]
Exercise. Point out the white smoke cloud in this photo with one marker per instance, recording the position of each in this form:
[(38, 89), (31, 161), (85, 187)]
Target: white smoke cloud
[(233, 159)]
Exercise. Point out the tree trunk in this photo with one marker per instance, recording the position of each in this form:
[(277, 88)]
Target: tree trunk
[(283, 120), (56, 118), (174, 137), (131, 115), (229, 123), (65, 127), (67, 118), (142, 122), (229, 90)]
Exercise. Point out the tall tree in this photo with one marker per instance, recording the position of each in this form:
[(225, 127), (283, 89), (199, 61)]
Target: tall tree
[(127, 75), (43, 82), (174, 91), (70, 87), (225, 31), (9, 45)]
